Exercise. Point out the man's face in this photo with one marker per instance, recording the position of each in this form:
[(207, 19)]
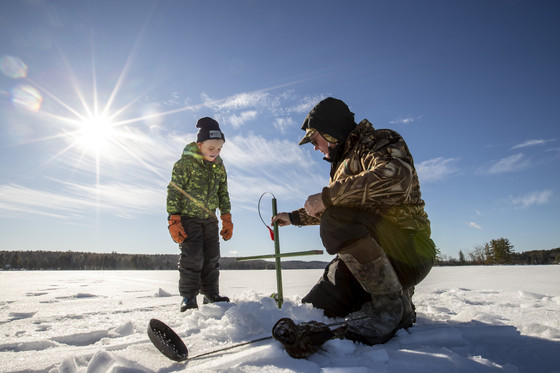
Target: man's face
[(321, 144), (210, 149)]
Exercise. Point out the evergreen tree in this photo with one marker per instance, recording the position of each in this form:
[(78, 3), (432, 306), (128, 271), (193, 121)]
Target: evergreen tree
[(502, 250), (462, 260), (438, 255)]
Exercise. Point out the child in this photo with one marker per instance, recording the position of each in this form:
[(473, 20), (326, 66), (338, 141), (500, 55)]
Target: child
[(198, 187)]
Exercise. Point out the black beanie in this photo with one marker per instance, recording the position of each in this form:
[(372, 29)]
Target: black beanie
[(209, 130), (330, 116)]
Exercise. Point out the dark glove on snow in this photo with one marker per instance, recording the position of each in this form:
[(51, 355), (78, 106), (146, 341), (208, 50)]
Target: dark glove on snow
[(303, 339)]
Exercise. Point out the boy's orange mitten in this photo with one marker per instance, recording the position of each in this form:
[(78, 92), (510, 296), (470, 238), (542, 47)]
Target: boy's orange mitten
[(227, 227), (176, 229)]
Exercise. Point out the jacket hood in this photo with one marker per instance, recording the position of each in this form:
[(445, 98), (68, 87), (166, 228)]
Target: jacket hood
[(330, 116), (192, 150)]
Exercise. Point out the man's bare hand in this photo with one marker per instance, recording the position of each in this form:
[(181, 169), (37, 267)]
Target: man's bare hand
[(283, 219), (314, 205)]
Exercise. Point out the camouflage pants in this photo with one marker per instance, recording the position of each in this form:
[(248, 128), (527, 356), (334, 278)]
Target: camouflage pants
[(198, 262)]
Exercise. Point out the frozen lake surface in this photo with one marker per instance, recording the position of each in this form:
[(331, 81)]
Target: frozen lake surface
[(470, 319)]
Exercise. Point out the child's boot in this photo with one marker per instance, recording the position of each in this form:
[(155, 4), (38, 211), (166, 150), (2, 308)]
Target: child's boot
[(188, 303), (213, 298)]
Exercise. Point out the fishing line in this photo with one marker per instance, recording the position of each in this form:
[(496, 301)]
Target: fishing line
[(260, 216)]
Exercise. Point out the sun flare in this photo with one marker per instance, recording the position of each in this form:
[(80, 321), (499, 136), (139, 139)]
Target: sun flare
[(95, 133)]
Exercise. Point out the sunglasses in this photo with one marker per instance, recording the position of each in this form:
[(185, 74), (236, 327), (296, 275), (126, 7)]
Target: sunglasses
[(313, 140)]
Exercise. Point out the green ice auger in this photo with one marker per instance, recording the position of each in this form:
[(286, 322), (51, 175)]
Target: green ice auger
[(277, 257), (279, 296)]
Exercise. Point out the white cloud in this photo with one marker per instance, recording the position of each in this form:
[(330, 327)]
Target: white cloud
[(244, 100), (402, 120), (282, 124), (283, 103), (435, 169), (534, 198), (74, 200), (512, 163), (124, 200), (238, 101), (257, 165), (474, 225), (532, 142), (305, 105), (405, 119), (17, 199), (252, 152), (239, 120)]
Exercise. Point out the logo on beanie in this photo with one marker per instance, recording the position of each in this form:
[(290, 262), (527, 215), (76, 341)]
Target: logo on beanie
[(214, 134)]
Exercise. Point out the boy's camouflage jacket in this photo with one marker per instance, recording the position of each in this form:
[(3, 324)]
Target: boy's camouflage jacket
[(375, 173), (197, 188)]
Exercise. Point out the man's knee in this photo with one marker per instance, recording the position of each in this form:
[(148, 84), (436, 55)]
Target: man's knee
[(364, 250), (341, 226)]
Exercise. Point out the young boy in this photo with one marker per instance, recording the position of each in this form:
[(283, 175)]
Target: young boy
[(198, 187)]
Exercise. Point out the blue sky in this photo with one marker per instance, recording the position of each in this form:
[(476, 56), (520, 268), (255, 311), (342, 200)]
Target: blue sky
[(471, 85)]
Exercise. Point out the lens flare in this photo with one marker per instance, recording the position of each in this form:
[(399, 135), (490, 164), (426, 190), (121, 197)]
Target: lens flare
[(26, 97), (13, 67)]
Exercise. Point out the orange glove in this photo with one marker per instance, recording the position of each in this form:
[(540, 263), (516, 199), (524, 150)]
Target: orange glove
[(176, 229), (227, 227)]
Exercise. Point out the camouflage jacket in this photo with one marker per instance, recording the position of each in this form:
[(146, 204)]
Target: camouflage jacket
[(197, 187), (376, 174)]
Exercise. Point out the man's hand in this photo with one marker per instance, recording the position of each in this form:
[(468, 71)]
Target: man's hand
[(283, 219), (314, 205)]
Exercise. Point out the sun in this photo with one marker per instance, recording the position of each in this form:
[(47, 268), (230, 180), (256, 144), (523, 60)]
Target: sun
[(95, 133)]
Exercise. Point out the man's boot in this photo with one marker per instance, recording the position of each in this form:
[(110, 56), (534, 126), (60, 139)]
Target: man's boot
[(390, 309)]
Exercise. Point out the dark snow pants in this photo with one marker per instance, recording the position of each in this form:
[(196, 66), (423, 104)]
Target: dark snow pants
[(200, 253), (338, 293)]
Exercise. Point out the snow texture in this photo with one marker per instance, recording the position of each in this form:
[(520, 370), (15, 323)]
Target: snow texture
[(470, 319)]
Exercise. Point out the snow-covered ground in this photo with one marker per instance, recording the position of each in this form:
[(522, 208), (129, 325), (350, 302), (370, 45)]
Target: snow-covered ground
[(470, 319)]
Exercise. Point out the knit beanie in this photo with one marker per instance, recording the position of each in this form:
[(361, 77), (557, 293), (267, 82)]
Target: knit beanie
[(209, 129), (330, 116)]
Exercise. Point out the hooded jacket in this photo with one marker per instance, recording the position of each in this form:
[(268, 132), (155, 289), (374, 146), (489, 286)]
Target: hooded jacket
[(374, 172), (197, 187)]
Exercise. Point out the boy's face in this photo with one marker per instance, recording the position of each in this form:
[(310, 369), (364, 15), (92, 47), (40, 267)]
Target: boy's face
[(210, 149)]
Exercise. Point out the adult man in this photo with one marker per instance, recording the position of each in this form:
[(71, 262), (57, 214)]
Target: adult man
[(372, 217)]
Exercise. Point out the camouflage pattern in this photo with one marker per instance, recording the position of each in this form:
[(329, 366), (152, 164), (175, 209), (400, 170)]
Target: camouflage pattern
[(378, 321), (197, 187), (369, 264), (376, 277), (375, 174)]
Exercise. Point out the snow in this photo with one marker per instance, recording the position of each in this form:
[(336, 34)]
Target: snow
[(470, 319)]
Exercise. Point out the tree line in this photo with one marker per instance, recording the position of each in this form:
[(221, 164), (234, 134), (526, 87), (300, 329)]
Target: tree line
[(70, 260), (497, 251), (500, 251)]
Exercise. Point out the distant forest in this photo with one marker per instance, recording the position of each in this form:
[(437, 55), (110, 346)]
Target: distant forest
[(500, 251), (71, 260), (495, 252)]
